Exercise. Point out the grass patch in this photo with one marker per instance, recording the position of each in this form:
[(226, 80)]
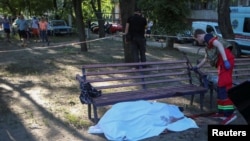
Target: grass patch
[(23, 68), (76, 121)]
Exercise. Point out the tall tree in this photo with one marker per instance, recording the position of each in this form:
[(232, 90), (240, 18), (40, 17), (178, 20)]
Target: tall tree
[(80, 24), (126, 9)]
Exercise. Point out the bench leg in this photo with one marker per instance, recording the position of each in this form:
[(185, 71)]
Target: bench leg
[(201, 100), (95, 114), (192, 99), (95, 120), (211, 96), (89, 111)]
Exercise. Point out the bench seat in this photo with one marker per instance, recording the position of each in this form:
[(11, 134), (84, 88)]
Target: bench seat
[(120, 82)]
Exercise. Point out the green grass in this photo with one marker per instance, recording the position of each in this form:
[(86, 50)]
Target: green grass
[(76, 121)]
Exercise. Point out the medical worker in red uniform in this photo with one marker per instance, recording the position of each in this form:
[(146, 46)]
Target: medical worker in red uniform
[(218, 53)]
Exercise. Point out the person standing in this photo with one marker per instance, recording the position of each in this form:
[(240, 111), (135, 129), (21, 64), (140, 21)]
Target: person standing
[(22, 25), (43, 27), (135, 29), (218, 52), (35, 28), (16, 28), (149, 27), (6, 27)]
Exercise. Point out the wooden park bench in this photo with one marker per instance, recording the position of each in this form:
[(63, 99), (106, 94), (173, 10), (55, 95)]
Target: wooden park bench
[(241, 73), (122, 82)]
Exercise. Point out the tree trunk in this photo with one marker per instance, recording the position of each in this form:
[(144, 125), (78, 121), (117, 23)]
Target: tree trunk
[(101, 21), (225, 24), (127, 9), (170, 43), (98, 13), (80, 24), (224, 19), (55, 4)]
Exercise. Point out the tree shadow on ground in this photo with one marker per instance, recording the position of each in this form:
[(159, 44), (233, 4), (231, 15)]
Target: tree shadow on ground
[(12, 127)]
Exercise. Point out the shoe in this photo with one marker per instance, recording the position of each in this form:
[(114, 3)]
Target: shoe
[(219, 116), (229, 119)]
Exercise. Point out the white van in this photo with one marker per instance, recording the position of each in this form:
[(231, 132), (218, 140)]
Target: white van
[(209, 27), (240, 21)]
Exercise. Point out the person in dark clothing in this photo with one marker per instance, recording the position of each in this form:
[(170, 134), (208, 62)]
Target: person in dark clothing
[(135, 31)]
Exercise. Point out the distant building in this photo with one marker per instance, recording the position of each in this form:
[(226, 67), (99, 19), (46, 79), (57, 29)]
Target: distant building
[(200, 11), (207, 11)]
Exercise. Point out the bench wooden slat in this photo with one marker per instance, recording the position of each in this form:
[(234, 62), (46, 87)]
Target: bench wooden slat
[(241, 59), (238, 81), (136, 77), (174, 91), (242, 63), (141, 83), (236, 70), (105, 72), (210, 71), (133, 64), (241, 74)]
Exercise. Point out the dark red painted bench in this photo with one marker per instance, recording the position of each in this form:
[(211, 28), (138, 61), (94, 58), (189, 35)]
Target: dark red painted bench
[(132, 81)]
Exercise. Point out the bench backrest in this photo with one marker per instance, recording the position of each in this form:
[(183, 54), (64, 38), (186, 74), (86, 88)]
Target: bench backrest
[(241, 70), (120, 77)]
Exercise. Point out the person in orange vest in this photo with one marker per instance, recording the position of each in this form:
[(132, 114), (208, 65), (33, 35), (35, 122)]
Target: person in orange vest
[(43, 28)]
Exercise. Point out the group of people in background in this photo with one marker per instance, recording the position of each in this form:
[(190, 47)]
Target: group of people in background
[(37, 28)]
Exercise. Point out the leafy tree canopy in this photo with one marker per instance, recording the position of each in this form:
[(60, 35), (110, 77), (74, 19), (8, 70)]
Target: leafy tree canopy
[(106, 9), (170, 15), (27, 7)]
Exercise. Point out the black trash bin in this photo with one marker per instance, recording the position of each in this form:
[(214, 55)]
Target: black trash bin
[(240, 95)]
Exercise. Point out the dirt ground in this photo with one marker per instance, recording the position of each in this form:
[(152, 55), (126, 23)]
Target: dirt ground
[(39, 94)]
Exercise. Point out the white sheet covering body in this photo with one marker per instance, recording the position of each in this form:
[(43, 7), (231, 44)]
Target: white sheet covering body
[(137, 120)]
